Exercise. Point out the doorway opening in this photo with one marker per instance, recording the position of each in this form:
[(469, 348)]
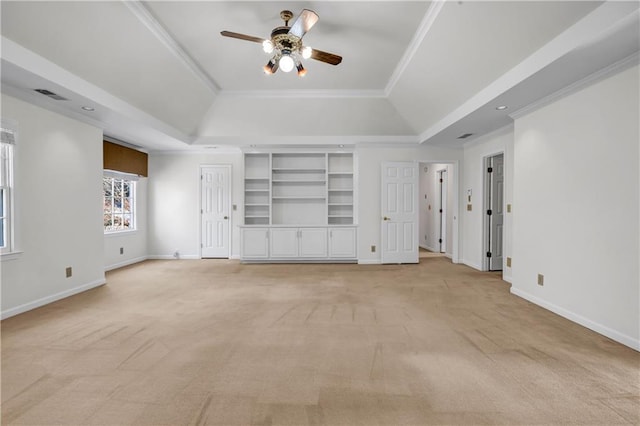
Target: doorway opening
[(437, 209), (493, 212)]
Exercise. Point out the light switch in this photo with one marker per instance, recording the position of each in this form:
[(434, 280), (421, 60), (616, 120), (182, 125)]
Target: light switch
[(508, 208), (468, 207)]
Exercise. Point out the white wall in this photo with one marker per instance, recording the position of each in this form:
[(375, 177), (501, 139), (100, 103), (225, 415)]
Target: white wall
[(576, 207), (58, 208), (369, 189), (134, 244), (475, 153), (174, 202)]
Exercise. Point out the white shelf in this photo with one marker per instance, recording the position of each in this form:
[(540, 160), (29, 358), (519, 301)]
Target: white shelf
[(341, 190), (256, 190), (255, 205), (303, 197), (299, 181), (296, 170)]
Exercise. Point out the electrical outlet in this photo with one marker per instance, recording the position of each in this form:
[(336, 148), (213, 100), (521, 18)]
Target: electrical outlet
[(508, 262), (121, 250), (540, 279), (508, 208), (68, 271), (373, 249)]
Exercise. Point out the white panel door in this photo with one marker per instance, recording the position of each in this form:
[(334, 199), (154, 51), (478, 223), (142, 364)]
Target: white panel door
[(312, 242), (215, 211), (342, 243), (399, 212), (496, 219), (284, 242), (255, 243)]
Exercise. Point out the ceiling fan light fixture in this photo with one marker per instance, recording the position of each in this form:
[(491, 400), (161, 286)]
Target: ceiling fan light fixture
[(306, 52), (286, 63), (301, 70), (267, 46), (271, 67)]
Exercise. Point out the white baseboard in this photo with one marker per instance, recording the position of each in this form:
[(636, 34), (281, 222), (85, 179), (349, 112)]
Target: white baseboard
[(49, 299), (472, 265), (235, 257), (507, 278), (125, 263), (585, 322), (171, 257), (369, 261)]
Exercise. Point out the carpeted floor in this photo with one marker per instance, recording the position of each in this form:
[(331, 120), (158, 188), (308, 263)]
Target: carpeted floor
[(217, 342)]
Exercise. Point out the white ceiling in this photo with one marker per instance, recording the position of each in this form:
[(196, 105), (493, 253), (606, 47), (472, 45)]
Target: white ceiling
[(160, 75)]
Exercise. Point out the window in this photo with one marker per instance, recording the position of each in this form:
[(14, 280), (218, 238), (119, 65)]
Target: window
[(119, 203), (7, 143)]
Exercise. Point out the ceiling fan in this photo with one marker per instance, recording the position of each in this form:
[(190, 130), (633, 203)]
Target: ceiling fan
[(286, 44)]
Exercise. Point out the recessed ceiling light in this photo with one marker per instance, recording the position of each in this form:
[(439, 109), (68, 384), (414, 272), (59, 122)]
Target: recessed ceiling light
[(86, 108), (501, 107)]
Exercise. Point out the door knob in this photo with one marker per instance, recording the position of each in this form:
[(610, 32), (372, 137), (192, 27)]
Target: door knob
[(386, 218), (226, 217)]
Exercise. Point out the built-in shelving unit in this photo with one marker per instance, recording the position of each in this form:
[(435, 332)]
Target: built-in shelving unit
[(299, 206), (257, 189), (340, 188)]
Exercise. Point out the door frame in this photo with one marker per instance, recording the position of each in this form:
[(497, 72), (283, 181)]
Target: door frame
[(486, 193), (453, 182), (230, 198), (442, 198)]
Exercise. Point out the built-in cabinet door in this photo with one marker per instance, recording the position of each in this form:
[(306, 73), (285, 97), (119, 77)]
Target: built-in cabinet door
[(255, 243), (312, 242), (342, 243), (284, 242)]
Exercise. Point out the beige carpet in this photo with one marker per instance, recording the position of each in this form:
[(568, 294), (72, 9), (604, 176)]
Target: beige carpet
[(217, 342)]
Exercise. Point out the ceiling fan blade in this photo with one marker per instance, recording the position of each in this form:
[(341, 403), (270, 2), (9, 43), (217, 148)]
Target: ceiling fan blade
[(329, 58), (241, 36), (303, 23)]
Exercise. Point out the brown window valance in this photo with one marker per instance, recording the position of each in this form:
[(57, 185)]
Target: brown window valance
[(122, 159)]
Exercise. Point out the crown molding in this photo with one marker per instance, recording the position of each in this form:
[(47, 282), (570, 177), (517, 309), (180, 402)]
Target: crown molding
[(145, 16), (576, 86), (416, 41), (306, 94)]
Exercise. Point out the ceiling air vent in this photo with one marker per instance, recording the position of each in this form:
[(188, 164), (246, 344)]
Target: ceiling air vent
[(50, 94), (466, 135)]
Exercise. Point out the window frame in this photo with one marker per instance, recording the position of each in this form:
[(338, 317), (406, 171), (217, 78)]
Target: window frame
[(8, 142), (131, 180)]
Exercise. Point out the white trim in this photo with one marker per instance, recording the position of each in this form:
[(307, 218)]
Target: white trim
[(50, 299), (369, 261), (125, 263), (12, 255), (146, 17), (235, 257), (507, 278), (579, 319), (304, 94), (416, 42), (576, 86)]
